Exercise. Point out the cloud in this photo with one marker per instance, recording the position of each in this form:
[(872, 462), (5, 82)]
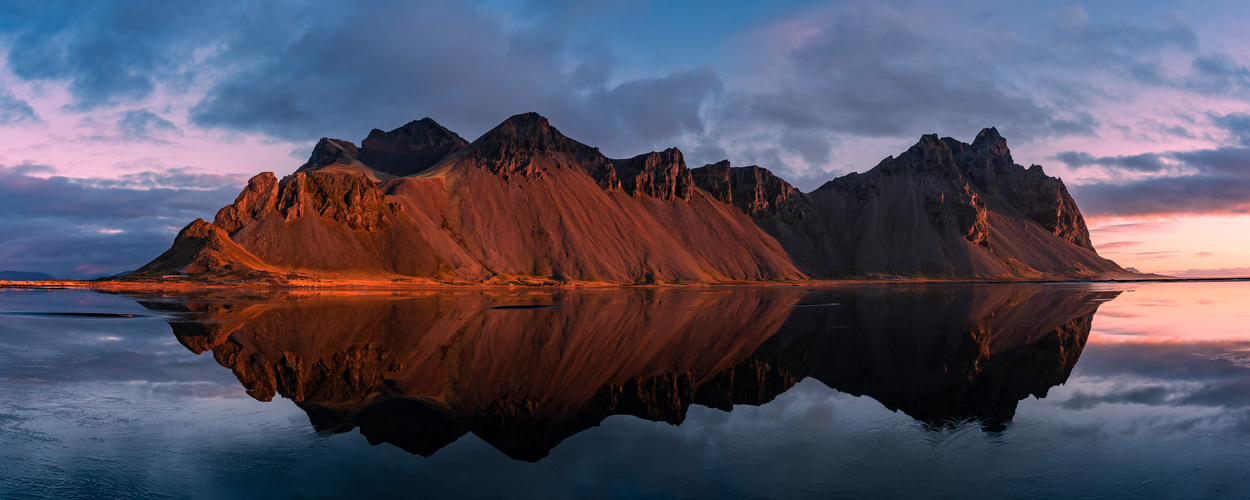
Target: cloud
[(865, 71), (466, 69), (1236, 124), (1147, 395), (1146, 162), (1231, 160), (631, 113), (1118, 244), (1225, 272), (141, 124), (1193, 194), (14, 111), (84, 228), (300, 71), (111, 53), (1219, 182), (1193, 364), (1218, 73)]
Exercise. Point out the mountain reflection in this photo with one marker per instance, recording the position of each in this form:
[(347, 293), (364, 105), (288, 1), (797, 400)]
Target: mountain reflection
[(525, 371)]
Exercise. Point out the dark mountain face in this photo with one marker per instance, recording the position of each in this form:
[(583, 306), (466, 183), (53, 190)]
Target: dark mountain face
[(524, 202), (409, 149), (987, 164), (419, 372), (754, 190), (941, 209)]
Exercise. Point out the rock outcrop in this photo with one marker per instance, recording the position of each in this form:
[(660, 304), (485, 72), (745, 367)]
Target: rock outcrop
[(410, 149), (661, 175), (987, 164), (754, 190), (204, 250)]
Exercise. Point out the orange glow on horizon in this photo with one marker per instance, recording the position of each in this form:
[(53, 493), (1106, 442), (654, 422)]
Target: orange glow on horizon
[(1172, 245)]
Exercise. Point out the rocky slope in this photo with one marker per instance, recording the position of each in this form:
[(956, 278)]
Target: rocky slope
[(521, 202), (202, 249), (941, 209), (524, 202)]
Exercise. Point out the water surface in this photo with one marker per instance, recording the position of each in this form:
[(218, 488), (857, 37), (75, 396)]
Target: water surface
[(1136, 390)]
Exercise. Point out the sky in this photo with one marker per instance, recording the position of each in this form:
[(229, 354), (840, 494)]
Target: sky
[(123, 121)]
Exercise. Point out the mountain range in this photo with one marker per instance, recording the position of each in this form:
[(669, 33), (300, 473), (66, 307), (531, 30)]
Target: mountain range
[(525, 203)]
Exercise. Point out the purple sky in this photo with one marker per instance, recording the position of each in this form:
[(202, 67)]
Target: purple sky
[(124, 121)]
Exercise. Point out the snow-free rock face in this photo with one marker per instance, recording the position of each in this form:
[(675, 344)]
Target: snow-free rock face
[(987, 164), (204, 250), (409, 149), (910, 215), (339, 223), (754, 190), (524, 202), (524, 199), (942, 209), (521, 202), (932, 212), (660, 175)]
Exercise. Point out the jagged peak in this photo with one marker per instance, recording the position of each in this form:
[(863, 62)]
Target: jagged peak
[(990, 148), (409, 149), (336, 144), (668, 156), (423, 122), (528, 132), (989, 135), (527, 121), (331, 151), (931, 141), (425, 126), (928, 152), (957, 146), (199, 228)]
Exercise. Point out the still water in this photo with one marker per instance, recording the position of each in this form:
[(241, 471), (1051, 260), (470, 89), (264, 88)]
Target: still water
[(1050, 390)]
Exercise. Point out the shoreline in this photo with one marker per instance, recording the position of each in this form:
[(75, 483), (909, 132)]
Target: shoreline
[(375, 285)]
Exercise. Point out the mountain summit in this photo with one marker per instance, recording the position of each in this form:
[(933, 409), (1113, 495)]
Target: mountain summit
[(524, 202)]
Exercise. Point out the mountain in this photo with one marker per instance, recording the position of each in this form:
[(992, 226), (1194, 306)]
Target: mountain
[(202, 249), (941, 209), (23, 276), (521, 202), (525, 203), (524, 372)]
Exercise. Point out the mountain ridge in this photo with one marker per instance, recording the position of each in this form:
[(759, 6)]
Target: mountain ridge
[(525, 202)]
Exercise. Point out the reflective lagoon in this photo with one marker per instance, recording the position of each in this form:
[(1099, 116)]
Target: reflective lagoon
[(1039, 390)]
